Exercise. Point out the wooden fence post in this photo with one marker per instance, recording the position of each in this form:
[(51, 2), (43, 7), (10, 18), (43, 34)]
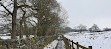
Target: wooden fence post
[(73, 45), (70, 46), (77, 45), (90, 47), (69, 40)]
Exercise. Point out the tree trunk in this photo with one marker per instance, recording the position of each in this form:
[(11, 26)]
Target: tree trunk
[(21, 31), (13, 34), (21, 22), (36, 28)]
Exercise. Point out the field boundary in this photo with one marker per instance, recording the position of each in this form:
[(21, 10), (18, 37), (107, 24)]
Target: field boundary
[(70, 44)]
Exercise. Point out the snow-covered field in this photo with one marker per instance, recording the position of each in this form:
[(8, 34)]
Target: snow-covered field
[(98, 40)]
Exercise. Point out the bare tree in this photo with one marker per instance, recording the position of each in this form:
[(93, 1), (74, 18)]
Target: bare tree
[(94, 28), (81, 28), (13, 14)]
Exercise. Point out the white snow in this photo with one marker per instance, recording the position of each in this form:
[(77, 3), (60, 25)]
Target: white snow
[(52, 45), (9, 37), (98, 40), (61, 45), (5, 37)]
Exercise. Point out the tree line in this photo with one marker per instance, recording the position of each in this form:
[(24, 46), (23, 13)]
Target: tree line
[(80, 28), (31, 17)]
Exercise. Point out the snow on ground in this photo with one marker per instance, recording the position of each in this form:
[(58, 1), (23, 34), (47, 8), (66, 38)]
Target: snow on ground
[(52, 45), (63, 45), (60, 45), (98, 40), (5, 37), (9, 37)]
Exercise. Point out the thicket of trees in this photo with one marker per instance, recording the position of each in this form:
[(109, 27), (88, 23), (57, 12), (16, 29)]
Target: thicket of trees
[(37, 17), (94, 28), (80, 28), (107, 29)]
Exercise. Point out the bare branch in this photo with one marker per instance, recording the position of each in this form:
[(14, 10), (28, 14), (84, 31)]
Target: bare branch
[(30, 23), (6, 9), (9, 4), (3, 12), (24, 6)]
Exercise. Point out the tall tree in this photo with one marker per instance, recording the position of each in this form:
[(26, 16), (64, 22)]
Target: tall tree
[(47, 16), (15, 7), (94, 28), (81, 28)]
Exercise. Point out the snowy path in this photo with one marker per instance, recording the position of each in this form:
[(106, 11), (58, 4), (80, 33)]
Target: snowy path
[(56, 44), (60, 44), (52, 45)]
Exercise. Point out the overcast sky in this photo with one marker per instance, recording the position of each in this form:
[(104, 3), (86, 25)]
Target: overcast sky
[(88, 12)]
